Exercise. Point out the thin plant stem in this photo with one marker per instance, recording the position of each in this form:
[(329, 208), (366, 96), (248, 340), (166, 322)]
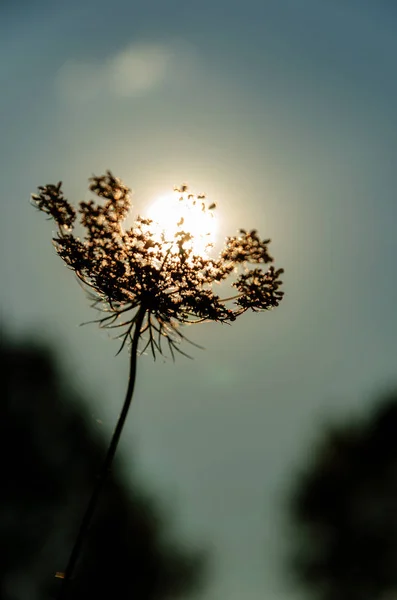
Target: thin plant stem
[(107, 464)]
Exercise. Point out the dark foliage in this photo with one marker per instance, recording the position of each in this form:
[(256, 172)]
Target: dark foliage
[(49, 458), (344, 511)]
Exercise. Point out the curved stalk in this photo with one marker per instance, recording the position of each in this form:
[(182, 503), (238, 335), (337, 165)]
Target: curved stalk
[(107, 464)]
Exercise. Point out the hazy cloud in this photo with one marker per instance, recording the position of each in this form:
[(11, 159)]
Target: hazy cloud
[(132, 72)]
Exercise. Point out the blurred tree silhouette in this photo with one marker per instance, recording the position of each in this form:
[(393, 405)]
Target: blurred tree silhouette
[(49, 458), (344, 511)]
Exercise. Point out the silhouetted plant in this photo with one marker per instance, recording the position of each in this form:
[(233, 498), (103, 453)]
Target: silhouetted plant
[(343, 509), (49, 455), (151, 286)]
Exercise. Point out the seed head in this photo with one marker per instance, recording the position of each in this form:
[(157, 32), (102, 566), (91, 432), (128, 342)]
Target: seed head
[(128, 270)]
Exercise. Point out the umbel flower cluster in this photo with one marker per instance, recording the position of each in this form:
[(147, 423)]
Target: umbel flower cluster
[(142, 280)]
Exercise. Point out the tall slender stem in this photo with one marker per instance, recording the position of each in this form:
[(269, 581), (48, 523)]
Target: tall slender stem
[(107, 464)]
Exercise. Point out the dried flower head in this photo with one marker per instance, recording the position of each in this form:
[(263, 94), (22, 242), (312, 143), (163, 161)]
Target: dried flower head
[(131, 272)]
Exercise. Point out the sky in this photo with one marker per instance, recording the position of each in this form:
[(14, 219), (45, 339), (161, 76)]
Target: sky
[(283, 113)]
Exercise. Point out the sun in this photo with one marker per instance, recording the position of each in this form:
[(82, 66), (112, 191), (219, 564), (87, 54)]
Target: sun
[(184, 211)]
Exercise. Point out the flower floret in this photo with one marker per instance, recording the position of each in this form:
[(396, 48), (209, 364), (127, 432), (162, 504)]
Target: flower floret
[(131, 270)]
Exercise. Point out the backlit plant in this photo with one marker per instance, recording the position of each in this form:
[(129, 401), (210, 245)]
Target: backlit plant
[(149, 286)]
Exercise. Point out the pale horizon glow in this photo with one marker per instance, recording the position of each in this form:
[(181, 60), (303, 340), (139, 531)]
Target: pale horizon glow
[(183, 211)]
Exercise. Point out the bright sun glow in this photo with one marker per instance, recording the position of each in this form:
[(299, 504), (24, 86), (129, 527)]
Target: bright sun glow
[(182, 211)]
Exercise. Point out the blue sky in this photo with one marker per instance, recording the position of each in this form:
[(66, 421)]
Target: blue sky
[(283, 112)]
